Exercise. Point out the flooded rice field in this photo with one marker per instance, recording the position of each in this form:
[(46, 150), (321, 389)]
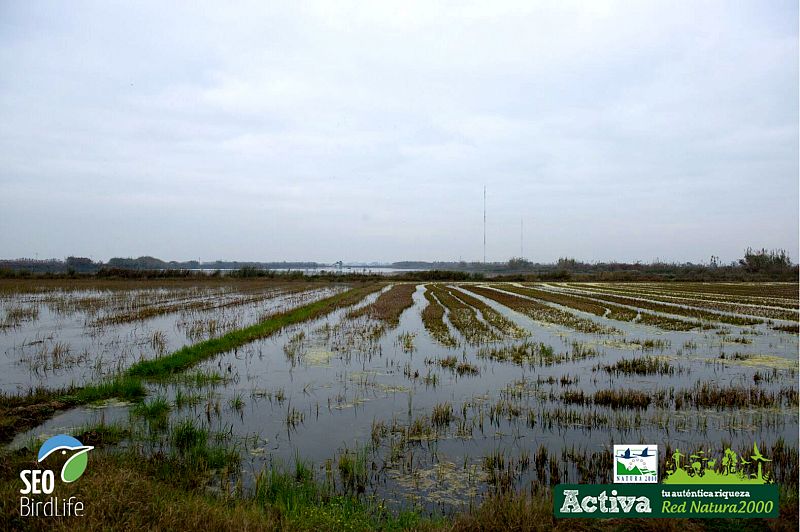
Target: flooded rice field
[(429, 394), (58, 336)]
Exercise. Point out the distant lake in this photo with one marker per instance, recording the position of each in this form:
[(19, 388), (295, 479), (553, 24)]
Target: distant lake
[(361, 270)]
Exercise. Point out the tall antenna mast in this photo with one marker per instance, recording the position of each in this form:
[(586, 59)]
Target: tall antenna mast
[(484, 225), (521, 246)]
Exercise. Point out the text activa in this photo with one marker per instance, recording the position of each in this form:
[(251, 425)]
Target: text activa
[(604, 503)]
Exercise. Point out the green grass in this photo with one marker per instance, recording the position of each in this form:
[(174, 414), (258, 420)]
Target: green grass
[(186, 435), (123, 387), (102, 433), (300, 501), (154, 411)]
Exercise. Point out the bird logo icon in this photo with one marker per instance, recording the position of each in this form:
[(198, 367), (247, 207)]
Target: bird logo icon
[(64, 444)]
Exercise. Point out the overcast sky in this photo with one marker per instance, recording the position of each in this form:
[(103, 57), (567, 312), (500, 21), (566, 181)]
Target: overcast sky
[(366, 131)]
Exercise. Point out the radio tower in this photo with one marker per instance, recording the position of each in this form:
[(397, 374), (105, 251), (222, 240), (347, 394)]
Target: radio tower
[(484, 225)]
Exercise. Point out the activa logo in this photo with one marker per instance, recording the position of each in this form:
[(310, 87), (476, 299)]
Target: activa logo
[(614, 504), (42, 481)]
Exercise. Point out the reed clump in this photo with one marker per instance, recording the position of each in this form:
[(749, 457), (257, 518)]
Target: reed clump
[(638, 366)]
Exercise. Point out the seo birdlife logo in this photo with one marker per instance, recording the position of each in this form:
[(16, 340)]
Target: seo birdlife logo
[(635, 464), (42, 481)]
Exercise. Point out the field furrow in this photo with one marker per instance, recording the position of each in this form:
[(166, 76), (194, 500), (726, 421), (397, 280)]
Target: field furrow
[(464, 318), (541, 312)]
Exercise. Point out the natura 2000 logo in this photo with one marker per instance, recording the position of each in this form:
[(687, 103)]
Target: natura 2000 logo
[(635, 464), (43, 482)]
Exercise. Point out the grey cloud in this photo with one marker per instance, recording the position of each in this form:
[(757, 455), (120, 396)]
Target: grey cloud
[(367, 131)]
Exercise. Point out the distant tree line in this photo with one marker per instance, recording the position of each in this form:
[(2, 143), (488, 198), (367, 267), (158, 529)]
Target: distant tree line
[(764, 261), (152, 263), (755, 265), (79, 265), (763, 264)]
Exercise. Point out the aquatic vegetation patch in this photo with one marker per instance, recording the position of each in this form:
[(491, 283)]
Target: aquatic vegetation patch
[(442, 414), (318, 356), (533, 353), (406, 341), (461, 367), (53, 356), (444, 483), (615, 398), (15, 315), (743, 340), (638, 366), (646, 344), (154, 409), (759, 360), (201, 379), (711, 395)]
